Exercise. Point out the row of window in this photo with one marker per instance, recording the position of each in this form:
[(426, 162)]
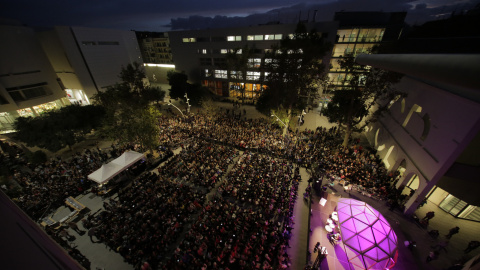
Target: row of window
[(223, 74), (236, 38), (360, 35), (239, 51), (89, 43), (252, 62)]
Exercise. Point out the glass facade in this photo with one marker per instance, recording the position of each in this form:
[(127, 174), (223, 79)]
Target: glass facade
[(351, 41), (252, 90), (453, 205)]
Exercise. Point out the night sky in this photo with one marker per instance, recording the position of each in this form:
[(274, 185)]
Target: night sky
[(166, 15)]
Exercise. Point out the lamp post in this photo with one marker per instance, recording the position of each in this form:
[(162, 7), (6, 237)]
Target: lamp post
[(171, 104), (287, 141), (188, 103), (300, 117), (278, 119)]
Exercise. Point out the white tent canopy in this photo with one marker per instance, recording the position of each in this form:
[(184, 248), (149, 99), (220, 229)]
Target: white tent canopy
[(113, 168), (128, 158), (105, 173)]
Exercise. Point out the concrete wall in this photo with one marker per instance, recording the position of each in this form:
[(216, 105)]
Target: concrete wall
[(23, 62), (451, 119)]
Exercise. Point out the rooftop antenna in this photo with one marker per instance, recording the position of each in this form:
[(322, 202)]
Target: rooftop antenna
[(314, 15)]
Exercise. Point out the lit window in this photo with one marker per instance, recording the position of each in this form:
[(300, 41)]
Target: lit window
[(250, 37), (234, 38), (239, 51), (236, 75), (278, 36), (223, 51), (189, 40), (207, 73), (222, 74), (254, 62), (204, 51), (253, 75), (265, 76), (291, 36), (258, 37), (269, 37)]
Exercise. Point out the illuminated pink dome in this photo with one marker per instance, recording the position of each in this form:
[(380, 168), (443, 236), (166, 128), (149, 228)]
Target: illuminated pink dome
[(369, 241)]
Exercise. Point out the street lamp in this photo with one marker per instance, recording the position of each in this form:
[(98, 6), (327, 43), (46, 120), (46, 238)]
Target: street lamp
[(188, 103), (278, 119), (171, 104)]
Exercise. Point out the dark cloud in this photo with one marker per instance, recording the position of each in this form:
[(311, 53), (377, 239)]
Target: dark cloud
[(417, 12), (420, 6), (154, 15)]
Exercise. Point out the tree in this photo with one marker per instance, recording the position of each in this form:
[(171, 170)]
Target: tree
[(180, 87), (57, 129), (368, 92), (238, 63), (294, 69), (178, 83), (130, 117)]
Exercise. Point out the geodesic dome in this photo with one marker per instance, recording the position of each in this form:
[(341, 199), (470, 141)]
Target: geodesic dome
[(369, 241)]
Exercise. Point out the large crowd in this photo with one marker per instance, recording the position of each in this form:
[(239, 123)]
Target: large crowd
[(46, 186), (249, 166)]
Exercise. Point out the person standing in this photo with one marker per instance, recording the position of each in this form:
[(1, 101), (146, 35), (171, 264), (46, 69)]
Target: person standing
[(92, 233), (429, 216), (453, 231), (74, 227), (472, 245)]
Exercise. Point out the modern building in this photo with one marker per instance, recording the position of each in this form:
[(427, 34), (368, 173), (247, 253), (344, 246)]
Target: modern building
[(432, 136), (88, 60), (28, 82), (201, 54), (358, 33), (49, 69)]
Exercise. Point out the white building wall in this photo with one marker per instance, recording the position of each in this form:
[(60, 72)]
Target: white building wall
[(106, 61), (23, 62), (453, 123)]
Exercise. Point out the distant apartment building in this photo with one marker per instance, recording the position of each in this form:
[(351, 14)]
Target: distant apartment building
[(155, 47), (156, 54)]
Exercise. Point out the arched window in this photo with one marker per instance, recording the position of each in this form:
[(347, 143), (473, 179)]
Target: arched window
[(426, 127), (415, 108), (385, 159)]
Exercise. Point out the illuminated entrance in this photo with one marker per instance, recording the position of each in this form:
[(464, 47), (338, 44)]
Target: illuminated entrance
[(252, 90)]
